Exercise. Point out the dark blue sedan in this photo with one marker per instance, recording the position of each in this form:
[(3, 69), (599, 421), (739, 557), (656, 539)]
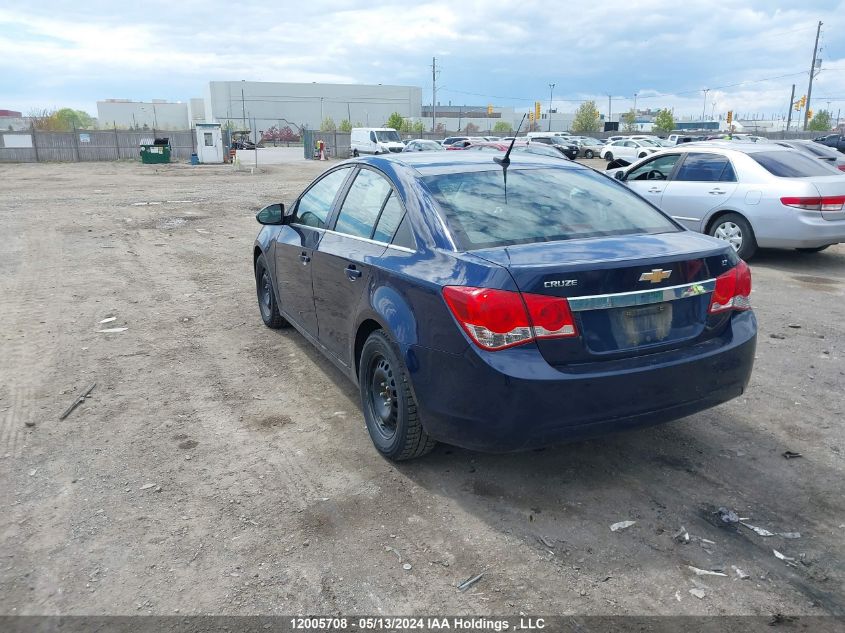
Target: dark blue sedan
[(504, 308)]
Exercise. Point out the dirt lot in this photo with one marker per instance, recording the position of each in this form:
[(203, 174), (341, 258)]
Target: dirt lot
[(267, 496)]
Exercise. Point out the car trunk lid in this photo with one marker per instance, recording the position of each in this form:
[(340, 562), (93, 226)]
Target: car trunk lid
[(628, 294)]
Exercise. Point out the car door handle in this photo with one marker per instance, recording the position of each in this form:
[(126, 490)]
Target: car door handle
[(352, 273), (716, 192), (655, 190), (304, 258)]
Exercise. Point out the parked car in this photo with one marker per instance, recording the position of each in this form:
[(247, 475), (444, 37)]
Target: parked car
[(504, 310), (492, 138), (563, 145), (589, 147), (628, 149), (533, 148), (423, 145), (374, 140), (462, 144), (449, 140), (836, 141), (748, 194), (817, 150)]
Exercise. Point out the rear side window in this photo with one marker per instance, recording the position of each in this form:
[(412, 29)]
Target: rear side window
[(363, 204), (391, 214), (705, 168), (542, 205), (404, 236), (791, 164)]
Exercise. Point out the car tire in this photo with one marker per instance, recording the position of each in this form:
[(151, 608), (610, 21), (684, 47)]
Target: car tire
[(267, 304), (589, 154), (735, 229), (608, 157), (390, 410), (815, 249), (355, 153)]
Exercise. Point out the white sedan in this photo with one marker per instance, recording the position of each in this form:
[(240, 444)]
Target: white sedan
[(628, 149)]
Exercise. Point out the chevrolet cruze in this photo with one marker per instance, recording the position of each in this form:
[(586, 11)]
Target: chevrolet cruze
[(504, 303)]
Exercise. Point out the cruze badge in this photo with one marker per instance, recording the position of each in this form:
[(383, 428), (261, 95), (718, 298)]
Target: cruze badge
[(560, 283), (656, 275)]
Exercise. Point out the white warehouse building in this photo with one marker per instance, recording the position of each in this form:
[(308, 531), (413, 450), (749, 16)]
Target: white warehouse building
[(158, 114), (259, 105)]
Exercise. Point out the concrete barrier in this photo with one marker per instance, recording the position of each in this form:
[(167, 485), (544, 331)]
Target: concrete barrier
[(269, 156)]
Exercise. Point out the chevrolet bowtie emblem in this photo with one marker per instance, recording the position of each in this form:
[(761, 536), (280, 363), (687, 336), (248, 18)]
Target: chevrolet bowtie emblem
[(656, 275)]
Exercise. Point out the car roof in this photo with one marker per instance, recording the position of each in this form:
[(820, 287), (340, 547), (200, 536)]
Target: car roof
[(730, 146), (453, 162)]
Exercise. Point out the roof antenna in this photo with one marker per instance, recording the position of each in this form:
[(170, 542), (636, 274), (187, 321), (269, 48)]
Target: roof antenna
[(505, 160)]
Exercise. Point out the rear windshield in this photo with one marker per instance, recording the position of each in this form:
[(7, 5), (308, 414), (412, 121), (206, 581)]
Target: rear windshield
[(542, 205), (791, 164)]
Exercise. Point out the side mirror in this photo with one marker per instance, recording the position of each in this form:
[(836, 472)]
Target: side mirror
[(619, 175), (272, 214)]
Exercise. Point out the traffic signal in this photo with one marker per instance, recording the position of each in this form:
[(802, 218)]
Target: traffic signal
[(730, 116), (803, 101), (531, 117), (809, 114), (536, 110), (489, 109), (797, 106)]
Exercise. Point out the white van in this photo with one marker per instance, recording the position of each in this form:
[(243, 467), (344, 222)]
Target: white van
[(375, 140)]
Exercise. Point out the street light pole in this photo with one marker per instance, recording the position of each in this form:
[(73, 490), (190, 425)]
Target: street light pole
[(704, 109), (551, 92)]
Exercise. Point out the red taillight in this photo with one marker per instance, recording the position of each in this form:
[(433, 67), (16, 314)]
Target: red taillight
[(826, 203), (497, 319), (840, 167), (733, 290)]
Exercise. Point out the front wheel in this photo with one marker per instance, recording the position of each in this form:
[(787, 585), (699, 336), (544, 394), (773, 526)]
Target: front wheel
[(355, 153), (390, 410), (266, 296), (815, 249), (608, 157), (736, 231), (589, 154)]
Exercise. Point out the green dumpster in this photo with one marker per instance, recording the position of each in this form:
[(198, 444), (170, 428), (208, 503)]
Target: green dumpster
[(157, 152)]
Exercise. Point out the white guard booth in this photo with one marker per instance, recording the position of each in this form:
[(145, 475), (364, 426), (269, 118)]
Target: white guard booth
[(209, 143)]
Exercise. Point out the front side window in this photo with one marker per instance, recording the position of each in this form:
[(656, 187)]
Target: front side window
[(655, 169), (388, 136), (542, 205), (705, 168), (363, 204), (373, 137), (315, 204)]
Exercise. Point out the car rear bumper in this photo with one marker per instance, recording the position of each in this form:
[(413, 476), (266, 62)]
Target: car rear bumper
[(803, 230), (514, 400)]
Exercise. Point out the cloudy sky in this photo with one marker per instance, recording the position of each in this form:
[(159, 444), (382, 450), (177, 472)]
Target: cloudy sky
[(56, 54)]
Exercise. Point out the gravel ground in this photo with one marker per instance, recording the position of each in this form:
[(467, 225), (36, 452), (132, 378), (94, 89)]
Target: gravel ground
[(221, 467)]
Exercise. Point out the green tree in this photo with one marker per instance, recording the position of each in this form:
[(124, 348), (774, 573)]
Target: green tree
[(820, 122), (407, 126), (629, 121), (328, 125), (664, 121), (418, 127), (502, 127), (587, 118), (63, 120), (395, 121), (345, 126)]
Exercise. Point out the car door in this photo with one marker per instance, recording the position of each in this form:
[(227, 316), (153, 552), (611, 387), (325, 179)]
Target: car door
[(650, 179), (365, 224), (295, 246), (701, 183)]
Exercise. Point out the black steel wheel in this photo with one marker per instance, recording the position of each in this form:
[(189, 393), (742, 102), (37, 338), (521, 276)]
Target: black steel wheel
[(267, 304), (390, 410), (608, 157)]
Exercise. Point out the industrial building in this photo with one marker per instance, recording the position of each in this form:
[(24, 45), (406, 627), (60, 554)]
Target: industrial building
[(260, 105), (158, 114)]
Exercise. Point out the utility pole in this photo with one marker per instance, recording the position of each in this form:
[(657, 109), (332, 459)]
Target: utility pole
[(704, 109), (609, 108), (551, 92), (243, 104), (812, 74), (635, 104), (433, 93), (789, 110)]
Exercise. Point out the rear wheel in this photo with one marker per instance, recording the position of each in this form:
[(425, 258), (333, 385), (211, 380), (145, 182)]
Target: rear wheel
[(736, 231), (815, 249), (390, 410), (266, 296), (355, 153), (589, 154)]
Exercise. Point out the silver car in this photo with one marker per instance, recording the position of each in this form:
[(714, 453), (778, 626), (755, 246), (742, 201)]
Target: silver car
[(749, 195)]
